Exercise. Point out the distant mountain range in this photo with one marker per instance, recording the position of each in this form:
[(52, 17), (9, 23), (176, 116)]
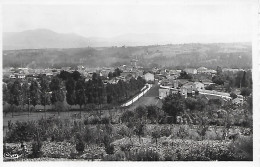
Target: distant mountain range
[(44, 38)]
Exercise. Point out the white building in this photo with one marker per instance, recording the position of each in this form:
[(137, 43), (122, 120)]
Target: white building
[(191, 70), (149, 77)]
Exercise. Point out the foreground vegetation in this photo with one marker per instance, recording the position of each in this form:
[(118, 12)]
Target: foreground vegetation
[(179, 133)]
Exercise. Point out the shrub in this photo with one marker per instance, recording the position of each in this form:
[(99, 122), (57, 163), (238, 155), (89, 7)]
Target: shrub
[(144, 155), (126, 147), (139, 130), (182, 132), (202, 131), (21, 131), (94, 120), (87, 135), (123, 131), (109, 148), (243, 147), (86, 121), (233, 95), (141, 112), (114, 157), (80, 146), (156, 134), (165, 131), (152, 113), (105, 120), (127, 116), (36, 149), (246, 91)]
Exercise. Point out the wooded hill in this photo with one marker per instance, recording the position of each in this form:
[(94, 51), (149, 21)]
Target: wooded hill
[(231, 55)]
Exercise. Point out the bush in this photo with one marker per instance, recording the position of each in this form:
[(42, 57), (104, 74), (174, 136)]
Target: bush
[(156, 134), (86, 122), (141, 112), (110, 149), (21, 131), (233, 95), (246, 91), (87, 135), (144, 155), (127, 116), (126, 147), (152, 113), (182, 133), (94, 120), (105, 120), (114, 157), (36, 149), (124, 131), (166, 132), (243, 147), (80, 146)]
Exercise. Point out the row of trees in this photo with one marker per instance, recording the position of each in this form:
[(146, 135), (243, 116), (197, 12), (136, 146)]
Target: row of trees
[(240, 79), (70, 86)]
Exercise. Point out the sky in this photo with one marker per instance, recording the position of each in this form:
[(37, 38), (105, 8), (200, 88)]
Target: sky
[(198, 21)]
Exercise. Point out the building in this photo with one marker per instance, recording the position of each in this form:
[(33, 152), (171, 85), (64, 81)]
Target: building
[(148, 77), (202, 70), (12, 76), (199, 86), (239, 100), (20, 76), (166, 91), (191, 70)]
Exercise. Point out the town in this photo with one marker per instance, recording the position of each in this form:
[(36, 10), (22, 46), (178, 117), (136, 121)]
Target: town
[(129, 81), (111, 96)]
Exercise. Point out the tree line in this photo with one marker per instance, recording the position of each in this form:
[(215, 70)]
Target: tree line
[(71, 87)]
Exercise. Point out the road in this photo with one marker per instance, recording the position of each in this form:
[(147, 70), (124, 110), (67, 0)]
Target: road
[(150, 98)]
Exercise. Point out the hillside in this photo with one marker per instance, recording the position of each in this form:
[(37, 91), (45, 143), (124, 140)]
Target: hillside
[(42, 38), (236, 55)]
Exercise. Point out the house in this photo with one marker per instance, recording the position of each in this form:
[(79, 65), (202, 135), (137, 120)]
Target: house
[(12, 76), (166, 90), (239, 100), (191, 70), (163, 92), (199, 86), (202, 70), (148, 77), (19, 76)]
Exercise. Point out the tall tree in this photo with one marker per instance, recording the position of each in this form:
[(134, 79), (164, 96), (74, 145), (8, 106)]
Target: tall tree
[(173, 105), (25, 93), (76, 75), (56, 87), (6, 95), (15, 93), (70, 94), (34, 93), (219, 70), (80, 93), (244, 81), (45, 95)]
